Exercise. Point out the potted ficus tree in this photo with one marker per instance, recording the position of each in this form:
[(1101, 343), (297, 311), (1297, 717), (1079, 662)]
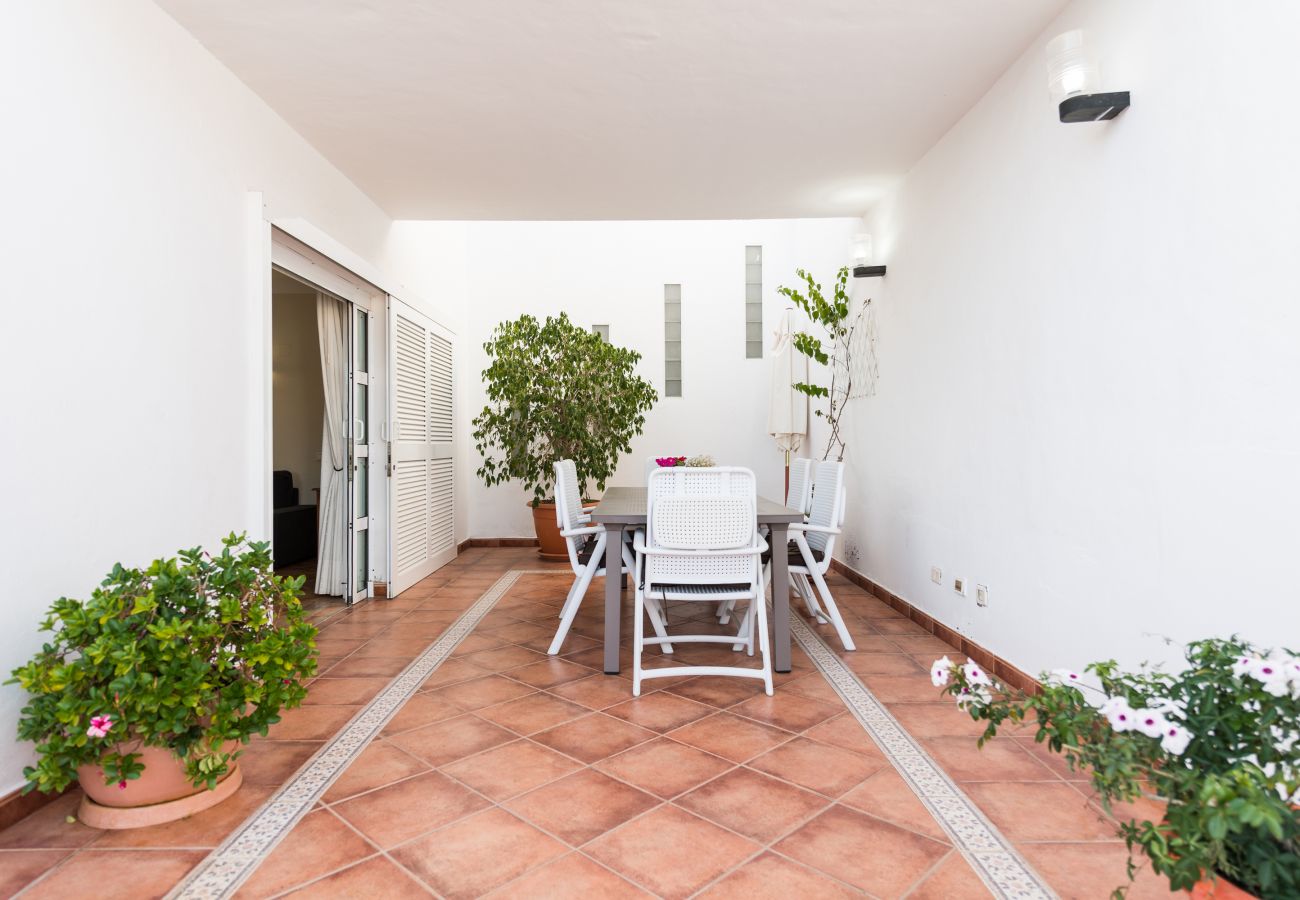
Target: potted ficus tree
[(556, 391), (144, 692), (1217, 745)]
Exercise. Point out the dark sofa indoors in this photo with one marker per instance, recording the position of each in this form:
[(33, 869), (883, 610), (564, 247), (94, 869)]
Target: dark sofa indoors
[(294, 531)]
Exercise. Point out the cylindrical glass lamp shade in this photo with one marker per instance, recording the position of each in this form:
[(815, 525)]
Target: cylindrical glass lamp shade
[(861, 249), (1070, 68)]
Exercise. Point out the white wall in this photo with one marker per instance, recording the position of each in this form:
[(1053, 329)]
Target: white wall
[(614, 273), (125, 175), (298, 394), (1090, 350)]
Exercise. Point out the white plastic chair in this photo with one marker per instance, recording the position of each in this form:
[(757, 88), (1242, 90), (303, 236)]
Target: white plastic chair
[(815, 543), (799, 495), (810, 557), (701, 544), (586, 546)]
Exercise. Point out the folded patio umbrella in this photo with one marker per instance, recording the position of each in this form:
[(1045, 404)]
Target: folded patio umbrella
[(787, 416)]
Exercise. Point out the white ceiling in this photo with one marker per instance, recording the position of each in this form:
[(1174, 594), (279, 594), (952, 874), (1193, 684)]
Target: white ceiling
[(619, 109)]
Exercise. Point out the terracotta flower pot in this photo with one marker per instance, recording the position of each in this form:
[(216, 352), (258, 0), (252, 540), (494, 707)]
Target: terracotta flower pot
[(162, 793), (1219, 889), (550, 544)]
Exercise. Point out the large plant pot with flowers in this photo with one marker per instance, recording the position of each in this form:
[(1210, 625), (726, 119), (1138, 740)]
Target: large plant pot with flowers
[(145, 692), (1217, 744), (556, 391)]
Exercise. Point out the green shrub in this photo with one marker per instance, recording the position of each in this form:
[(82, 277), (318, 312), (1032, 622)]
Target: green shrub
[(188, 654), (1217, 743)]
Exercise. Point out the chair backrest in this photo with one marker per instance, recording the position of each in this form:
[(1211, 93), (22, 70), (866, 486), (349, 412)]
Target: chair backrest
[(827, 505), (800, 485), (650, 466), (701, 481), (568, 505), (706, 510)]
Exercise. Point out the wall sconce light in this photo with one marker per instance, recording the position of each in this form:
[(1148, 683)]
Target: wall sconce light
[(862, 258), (1073, 78)]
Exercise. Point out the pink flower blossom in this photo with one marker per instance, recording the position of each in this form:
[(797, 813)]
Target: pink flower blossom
[(121, 785), (99, 726)]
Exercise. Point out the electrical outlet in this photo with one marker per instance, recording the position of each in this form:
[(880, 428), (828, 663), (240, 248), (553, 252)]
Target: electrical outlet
[(959, 586), (981, 595), (936, 574)]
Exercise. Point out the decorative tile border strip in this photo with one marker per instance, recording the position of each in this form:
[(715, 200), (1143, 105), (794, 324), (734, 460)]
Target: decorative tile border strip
[(230, 864), (1004, 871)]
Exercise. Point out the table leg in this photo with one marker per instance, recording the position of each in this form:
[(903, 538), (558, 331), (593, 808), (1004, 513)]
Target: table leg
[(779, 536), (613, 595)]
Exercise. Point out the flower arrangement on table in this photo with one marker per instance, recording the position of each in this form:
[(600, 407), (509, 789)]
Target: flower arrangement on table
[(1217, 743), (701, 461)]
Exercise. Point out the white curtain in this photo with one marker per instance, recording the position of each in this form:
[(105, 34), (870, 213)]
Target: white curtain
[(331, 555)]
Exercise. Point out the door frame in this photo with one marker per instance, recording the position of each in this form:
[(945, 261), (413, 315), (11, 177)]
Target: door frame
[(309, 265), (344, 273)]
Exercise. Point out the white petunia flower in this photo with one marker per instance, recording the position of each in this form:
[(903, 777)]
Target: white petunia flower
[(1272, 674), (1165, 706), (1242, 665), (1118, 713), (976, 675), (967, 696), (940, 671), (1066, 677), (1149, 722), (1174, 739), (1284, 741)]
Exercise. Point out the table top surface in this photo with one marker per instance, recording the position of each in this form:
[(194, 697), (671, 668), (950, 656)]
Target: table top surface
[(626, 506)]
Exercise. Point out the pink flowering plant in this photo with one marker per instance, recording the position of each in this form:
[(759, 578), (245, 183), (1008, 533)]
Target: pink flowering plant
[(190, 653), (1217, 744)]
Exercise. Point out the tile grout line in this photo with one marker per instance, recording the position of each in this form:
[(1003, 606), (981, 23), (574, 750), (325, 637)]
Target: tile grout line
[(1002, 869), (235, 859)]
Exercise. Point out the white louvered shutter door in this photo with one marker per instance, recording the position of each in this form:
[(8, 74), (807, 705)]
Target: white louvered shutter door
[(422, 433)]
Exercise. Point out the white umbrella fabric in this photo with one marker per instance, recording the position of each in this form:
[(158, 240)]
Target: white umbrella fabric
[(787, 416)]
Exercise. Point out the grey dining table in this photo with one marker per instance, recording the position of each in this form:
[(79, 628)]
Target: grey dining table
[(622, 508)]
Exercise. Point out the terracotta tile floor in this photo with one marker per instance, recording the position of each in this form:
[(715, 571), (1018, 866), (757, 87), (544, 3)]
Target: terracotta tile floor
[(514, 774)]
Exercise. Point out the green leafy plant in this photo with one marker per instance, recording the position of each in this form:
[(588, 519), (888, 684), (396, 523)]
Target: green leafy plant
[(557, 391), (1217, 744), (833, 315), (189, 654)]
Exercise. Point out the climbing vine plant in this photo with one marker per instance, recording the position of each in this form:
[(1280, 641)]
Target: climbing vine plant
[(557, 391), (835, 349)]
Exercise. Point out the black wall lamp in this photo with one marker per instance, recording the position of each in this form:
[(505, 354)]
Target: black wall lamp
[(862, 267), (1073, 77)]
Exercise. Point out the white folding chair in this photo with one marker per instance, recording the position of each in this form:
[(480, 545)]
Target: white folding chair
[(586, 546), (798, 496), (701, 544), (811, 546), (800, 491), (814, 542)]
